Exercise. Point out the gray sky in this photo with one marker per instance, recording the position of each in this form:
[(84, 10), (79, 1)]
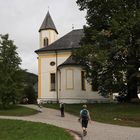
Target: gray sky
[(21, 19)]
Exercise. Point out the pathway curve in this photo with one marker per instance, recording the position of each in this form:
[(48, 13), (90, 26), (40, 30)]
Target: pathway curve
[(96, 131)]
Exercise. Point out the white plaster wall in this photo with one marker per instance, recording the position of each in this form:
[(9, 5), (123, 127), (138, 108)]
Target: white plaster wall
[(76, 94), (50, 34), (53, 36), (46, 69)]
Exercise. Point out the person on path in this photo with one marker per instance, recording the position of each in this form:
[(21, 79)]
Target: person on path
[(62, 108), (84, 118), (39, 105)]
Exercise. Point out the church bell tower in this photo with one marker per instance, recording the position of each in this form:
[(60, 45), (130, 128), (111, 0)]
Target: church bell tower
[(47, 32)]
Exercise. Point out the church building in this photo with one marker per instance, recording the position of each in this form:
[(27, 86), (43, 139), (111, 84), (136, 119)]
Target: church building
[(60, 77)]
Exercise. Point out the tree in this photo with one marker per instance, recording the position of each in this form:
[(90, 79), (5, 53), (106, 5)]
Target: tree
[(10, 72), (111, 47), (30, 94), (30, 83)]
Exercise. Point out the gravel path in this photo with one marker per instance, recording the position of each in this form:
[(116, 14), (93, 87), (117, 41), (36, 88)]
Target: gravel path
[(96, 131)]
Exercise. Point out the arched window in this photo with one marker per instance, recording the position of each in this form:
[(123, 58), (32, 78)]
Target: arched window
[(45, 41)]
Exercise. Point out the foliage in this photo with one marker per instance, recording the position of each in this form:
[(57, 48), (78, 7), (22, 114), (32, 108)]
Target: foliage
[(30, 78), (10, 72), (30, 83), (111, 47), (30, 94)]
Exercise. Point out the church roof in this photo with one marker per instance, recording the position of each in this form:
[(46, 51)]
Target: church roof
[(67, 42), (70, 61), (48, 23)]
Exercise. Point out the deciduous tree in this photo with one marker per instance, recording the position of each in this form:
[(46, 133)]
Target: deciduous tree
[(10, 72), (111, 46)]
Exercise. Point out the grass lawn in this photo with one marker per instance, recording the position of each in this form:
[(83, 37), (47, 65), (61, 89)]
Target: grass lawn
[(121, 114), (17, 111), (24, 130)]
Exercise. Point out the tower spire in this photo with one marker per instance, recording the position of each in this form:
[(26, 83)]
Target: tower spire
[(48, 23), (47, 32)]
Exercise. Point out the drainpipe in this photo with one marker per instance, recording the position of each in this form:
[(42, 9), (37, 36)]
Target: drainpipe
[(57, 98)]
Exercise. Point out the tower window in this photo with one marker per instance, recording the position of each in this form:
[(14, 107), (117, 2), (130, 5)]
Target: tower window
[(52, 81), (45, 41), (83, 85)]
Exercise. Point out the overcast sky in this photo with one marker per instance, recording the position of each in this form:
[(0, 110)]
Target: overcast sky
[(21, 19)]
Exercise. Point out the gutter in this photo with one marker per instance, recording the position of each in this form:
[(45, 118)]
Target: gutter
[(57, 97)]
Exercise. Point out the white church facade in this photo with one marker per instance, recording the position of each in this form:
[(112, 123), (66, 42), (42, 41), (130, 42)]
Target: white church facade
[(60, 77)]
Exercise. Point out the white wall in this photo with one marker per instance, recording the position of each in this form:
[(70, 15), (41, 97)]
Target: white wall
[(67, 92), (75, 94), (46, 69)]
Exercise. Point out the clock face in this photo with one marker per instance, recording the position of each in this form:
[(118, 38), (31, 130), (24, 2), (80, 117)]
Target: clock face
[(52, 63)]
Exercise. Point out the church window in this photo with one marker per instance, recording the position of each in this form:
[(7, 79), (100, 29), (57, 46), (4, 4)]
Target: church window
[(52, 82), (83, 85), (45, 41)]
